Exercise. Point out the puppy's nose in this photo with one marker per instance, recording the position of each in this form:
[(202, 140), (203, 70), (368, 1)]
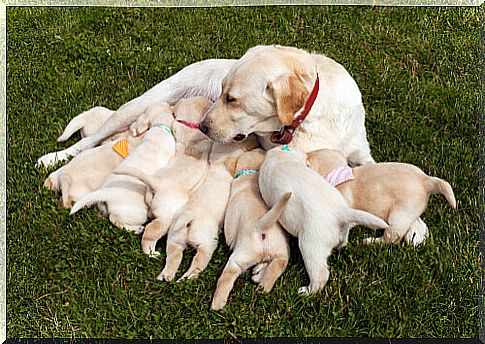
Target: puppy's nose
[(203, 128)]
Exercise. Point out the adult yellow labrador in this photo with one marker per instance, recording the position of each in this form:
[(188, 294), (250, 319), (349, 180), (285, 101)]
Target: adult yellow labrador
[(262, 92)]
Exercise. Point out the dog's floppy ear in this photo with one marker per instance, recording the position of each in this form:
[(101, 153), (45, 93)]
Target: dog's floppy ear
[(230, 164), (290, 94)]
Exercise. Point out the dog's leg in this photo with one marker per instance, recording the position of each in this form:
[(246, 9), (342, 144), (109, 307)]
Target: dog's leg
[(119, 221), (201, 260), (175, 252), (344, 237), (203, 78), (417, 233), (399, 223), (225, 283), (153, 232), (274, 270), (315, 259)]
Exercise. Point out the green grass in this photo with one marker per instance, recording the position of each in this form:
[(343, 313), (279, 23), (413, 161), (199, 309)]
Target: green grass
[(80, 276)]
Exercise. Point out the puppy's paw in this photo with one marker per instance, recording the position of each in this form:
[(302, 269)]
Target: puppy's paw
[(134, 229), (189, 275), (258, 272), (304, 291), (154, 254), (369, 241), (165, 276), (217, 305), (139, 127)]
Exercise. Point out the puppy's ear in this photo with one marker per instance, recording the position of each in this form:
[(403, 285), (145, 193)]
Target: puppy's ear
[(230, 164), (290, 94)]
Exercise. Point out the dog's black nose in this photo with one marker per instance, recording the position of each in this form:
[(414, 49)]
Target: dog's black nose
[(203, 128), (239, 137)]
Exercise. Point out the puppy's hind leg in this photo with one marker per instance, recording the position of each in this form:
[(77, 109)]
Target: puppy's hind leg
[(153, 232), (174, 258), (315, 259), (225, 283), (274, 270), (201, 260), (258, 272), (417, 233), (399, 223)]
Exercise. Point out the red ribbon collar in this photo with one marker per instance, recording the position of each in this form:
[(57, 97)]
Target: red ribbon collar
[(189, 124), (285, 135)]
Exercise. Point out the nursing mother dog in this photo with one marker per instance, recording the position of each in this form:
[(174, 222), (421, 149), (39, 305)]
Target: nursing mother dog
[(269, 89)]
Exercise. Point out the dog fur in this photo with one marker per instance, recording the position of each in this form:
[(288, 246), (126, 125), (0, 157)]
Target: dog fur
[(198, 223), (251, 231), (396, 192), (171, 187), (317, 213), (123, 195), (280, 77)]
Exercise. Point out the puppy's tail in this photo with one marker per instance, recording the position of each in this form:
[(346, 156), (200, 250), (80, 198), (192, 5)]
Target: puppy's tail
[(150, 181), (363, 218), (74, 125), (90, 199), (80, 121), (437, 185), (273, 215)]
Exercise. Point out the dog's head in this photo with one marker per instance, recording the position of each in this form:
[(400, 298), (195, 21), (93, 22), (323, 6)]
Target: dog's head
[(260, 94)]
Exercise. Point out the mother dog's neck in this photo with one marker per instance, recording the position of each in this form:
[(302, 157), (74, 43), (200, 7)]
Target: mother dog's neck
[(322, 128)]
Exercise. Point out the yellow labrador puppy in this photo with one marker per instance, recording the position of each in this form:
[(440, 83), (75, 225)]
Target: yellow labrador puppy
[(170, 188), (396, 192), (317, 213), (122, 197), (86, 172), (198, 223), (251, 231)]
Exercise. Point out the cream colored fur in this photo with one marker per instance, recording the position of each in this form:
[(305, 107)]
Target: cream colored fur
[(171, 187), (252, 232), (317, 213), (268, 87), (123, 195), (398, 193), (198, 223)]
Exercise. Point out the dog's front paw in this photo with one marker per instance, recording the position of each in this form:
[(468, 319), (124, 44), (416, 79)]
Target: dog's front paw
[(139, 127), (305, 291), (49, 160)]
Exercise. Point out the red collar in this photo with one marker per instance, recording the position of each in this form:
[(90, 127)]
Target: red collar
[(189, 124), (285, 135)]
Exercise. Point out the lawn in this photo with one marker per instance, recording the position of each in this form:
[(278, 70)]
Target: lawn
[(79, 276)]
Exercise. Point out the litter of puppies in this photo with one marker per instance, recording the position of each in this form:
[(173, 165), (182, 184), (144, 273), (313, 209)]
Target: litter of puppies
[(174, 168)]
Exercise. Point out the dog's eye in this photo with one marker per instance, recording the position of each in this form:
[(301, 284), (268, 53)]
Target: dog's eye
[(230, 99)]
